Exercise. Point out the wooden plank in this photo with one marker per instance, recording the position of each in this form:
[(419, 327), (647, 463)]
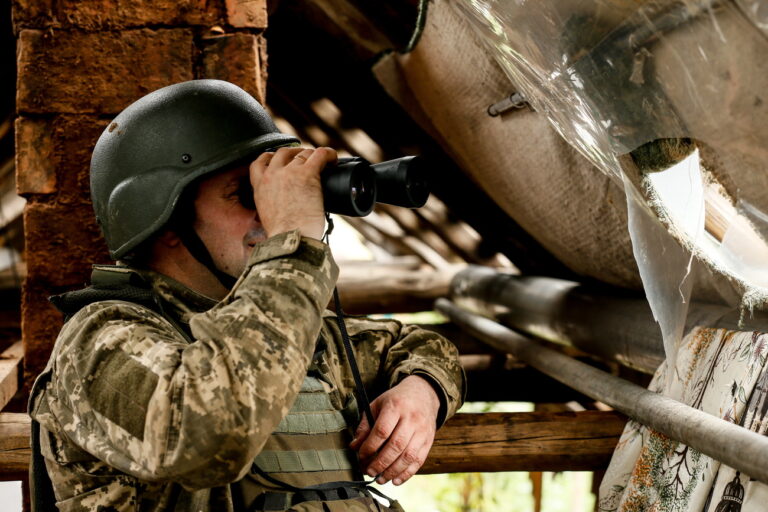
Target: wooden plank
[(411, 224), (10, 361), (342, 19), (392, 291), (525, 441), (14, 445), (397, 263), (536, 441), (386, 226)]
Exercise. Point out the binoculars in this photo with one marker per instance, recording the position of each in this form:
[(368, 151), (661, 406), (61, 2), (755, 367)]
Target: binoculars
[(353, 186)]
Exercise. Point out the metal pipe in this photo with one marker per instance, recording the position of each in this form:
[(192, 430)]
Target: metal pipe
[(745, 451), (613, 324)]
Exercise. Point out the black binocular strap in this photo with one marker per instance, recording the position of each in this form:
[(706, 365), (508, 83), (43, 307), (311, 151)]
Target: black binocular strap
[(362, 396), (362, 400)]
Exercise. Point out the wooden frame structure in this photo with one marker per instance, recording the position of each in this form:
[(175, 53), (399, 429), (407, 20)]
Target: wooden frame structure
[(483, 442)]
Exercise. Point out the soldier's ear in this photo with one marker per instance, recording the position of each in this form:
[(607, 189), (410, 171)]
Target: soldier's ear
[(168, 238)]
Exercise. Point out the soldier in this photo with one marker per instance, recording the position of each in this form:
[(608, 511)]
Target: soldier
[(203, 372)]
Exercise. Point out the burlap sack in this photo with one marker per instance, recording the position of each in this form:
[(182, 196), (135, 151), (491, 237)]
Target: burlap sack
[(575, 211)]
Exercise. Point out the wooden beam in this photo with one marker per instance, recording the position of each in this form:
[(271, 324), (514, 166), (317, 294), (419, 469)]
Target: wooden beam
[(12, 277), (525, 441), (457, 234), (343, 20), (355, 267), (392, 291), (375, 236), (14, 446), (411, 224), (10, 362), (389, 229), (536, 441)]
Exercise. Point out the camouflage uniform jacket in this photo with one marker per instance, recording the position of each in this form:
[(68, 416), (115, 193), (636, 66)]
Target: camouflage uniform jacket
[(135, 417)]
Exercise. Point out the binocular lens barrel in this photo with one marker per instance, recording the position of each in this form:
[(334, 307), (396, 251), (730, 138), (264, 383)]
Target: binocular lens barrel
[(349, 188), (402, 182), (353, 186)]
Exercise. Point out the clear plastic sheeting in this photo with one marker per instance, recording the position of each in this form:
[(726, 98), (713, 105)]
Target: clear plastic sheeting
[(638, 87), (757, 11)]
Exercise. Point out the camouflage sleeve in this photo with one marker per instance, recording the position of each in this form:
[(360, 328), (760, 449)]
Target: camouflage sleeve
[(387, 352), (417, 351), (133, 393)]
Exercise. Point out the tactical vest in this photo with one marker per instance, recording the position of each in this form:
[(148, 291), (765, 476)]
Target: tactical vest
[(304, 461)]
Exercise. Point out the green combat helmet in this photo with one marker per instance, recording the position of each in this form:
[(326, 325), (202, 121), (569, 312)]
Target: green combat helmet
[(161, 143)]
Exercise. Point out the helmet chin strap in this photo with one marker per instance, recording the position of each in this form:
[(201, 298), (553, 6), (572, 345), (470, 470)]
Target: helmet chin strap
[(199, 251)]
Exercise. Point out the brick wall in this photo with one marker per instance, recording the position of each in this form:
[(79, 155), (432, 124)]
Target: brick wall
[(79, 63)]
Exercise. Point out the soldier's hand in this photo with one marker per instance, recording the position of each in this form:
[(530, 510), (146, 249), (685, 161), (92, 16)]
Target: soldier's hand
[(403, 434), (287, 192)]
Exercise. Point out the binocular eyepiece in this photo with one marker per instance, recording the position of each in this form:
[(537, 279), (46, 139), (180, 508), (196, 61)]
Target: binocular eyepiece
[(353, 186)]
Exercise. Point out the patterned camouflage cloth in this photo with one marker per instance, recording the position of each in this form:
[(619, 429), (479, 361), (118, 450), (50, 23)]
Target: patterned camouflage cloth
[(134, 417)]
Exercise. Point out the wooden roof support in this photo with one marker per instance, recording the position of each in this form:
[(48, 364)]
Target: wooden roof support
[(525, 441), (745, 451), (465, 342), (464, 240), (386, 290), (351, 86), (10, 374), (14, 446), (375, 238), (343, 20), (411, 224), (537, 441), (384, 225)]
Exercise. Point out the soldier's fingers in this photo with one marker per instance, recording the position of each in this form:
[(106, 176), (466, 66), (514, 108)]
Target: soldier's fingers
[(382, 429), (363, 429), (321, 157), (414, 454), (284, 156), (360, 434), (303, 156), (258, 166), (391, 460), (407, 474)]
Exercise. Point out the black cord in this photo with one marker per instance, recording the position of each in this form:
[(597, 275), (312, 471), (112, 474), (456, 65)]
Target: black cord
[(362, 396)]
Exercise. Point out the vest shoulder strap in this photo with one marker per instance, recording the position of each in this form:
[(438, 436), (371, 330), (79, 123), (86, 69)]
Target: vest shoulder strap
[(108, 282)]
